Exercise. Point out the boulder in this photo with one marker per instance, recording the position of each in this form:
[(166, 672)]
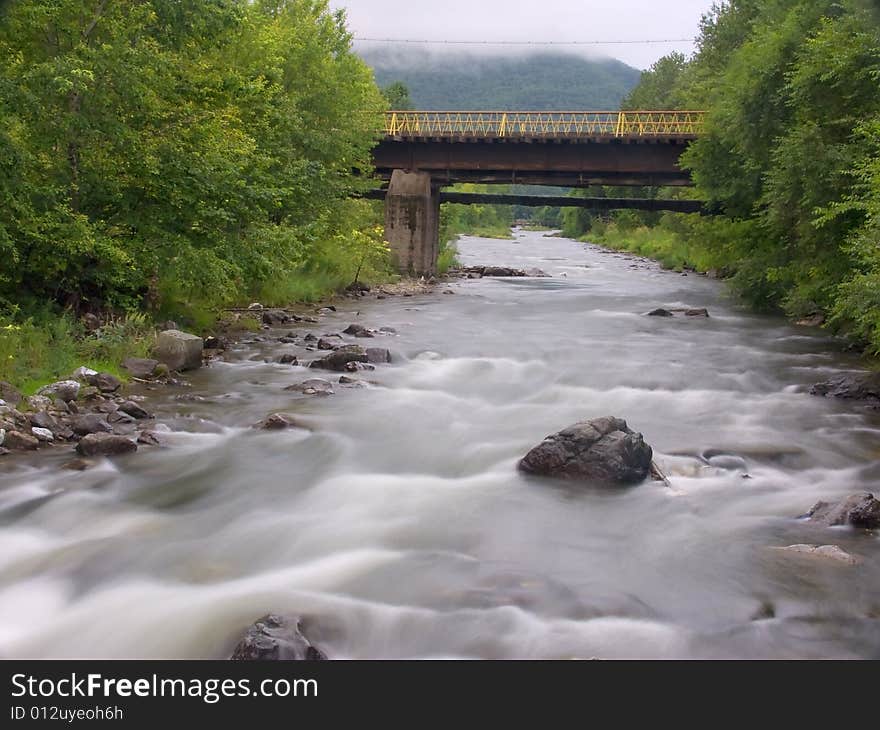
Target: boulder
[(82, 374), (278, 422), (275, 316), (10, 394), (105, 444), (44, 420), (132, 409), (338, 360), (827, 552), (90, 423), (19, 441), (105, 382), (603, 450), (858, 510), (357, 330), (179, 350), (64, 389), (288, 359), (140, 367), (660, 313), (314, 386), (861, 386), (378, 355), (43, 434), (330, 343), (276, 638)]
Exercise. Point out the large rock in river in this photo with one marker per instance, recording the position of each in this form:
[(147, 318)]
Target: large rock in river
[(603, 450), (863, 386), (276, 638), (858, 510), (339, 359), (105, 444), (179, 350)]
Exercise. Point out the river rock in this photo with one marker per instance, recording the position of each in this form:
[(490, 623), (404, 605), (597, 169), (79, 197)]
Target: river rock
[(357, 330), (858, 510), (89, 423), (134, 410), (828, 552), (329, 343), (140, 367), (862, 386), (276, 638), (77, 465), (278, 422), (105, 382), (19, 441), (378, 355), (10, 394), (339, 359), (43, 434), (179, 350), (661, 313), (604, 450), (288, 359), (64, 389), (105, 444), (275, 316), (313, 386)]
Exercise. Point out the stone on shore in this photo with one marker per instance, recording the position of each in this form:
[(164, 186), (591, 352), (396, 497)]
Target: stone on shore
[(10, 394), (603, 450), (105, 444), (90, 423), (18, 441), (276, 638), (64, 390), (357, 330), (132, 409), (105, 382), (179, 350), (140, 367)]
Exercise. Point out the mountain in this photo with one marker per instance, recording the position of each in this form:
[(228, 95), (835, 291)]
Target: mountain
[(450, 80)]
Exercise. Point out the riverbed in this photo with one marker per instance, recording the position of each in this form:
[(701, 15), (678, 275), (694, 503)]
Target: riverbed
[(397, 524)]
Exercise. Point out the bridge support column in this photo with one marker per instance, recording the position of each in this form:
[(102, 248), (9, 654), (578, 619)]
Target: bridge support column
[(412, 222)]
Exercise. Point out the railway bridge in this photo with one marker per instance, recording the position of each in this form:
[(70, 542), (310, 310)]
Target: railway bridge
[(422, 151)]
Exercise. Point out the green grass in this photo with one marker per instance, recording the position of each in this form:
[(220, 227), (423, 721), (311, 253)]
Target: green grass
[(658, 243), (45, 347)]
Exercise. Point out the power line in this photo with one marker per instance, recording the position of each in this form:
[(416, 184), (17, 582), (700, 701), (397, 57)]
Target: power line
[(523, 43)]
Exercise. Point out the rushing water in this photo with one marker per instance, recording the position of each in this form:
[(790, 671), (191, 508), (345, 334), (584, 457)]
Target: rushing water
[(399, 526)]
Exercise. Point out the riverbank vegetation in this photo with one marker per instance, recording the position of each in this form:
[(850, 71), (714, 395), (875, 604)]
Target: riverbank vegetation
[(165, 159), (790, 155)]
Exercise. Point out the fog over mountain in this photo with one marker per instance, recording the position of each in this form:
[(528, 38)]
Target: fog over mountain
[(502, 79)]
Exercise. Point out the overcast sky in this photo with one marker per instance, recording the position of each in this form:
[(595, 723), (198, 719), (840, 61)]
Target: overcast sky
[(535, 20)]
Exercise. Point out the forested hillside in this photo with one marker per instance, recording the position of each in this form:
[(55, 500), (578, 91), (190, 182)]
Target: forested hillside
[(791, 155), (515, 80)]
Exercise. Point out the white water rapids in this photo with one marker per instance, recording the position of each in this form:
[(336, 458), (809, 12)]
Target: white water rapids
[(399, 527)]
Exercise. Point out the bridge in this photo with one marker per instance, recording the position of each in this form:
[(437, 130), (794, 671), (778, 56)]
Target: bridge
[(424, 150)]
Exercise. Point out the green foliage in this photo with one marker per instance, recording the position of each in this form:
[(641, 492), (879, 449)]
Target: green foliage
[(790, 153), (658, 88), (515, 82), (171, 154), (397, 96), (488, 221), (46, 346)]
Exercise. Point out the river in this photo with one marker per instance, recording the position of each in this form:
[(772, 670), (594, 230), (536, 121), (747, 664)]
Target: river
[(398, 525)]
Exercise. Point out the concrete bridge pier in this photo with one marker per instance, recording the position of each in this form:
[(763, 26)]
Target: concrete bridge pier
[(412, 222)]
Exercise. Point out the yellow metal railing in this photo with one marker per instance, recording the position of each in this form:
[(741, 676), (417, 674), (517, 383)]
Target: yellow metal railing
[(570, 125)]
